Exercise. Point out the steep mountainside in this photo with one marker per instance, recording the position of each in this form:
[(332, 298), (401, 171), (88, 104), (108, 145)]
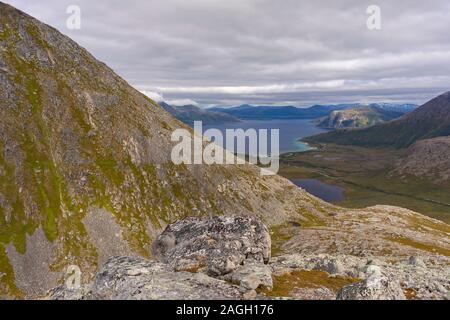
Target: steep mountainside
[(86, 173), (357, 118), (190, 113), (428, 159), (428, 121)]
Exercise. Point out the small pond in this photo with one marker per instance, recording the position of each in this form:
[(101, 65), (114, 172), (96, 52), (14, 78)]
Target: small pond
[(326, 192)]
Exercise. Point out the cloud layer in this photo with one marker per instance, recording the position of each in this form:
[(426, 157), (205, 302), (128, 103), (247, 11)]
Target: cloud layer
[(260, 51)]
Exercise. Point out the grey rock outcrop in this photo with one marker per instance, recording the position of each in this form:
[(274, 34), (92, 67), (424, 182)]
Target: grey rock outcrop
[(216, 245), (125, 278), (329, 265), (375, 287), (64, 293), (252, 275)]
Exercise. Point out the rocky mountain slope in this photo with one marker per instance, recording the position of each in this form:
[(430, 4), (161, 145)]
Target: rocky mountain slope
[(86, 173), (428, 121), (357, 118), (190, 113), (427, 159)]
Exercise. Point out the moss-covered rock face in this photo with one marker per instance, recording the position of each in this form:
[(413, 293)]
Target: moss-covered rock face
[(75, 138)]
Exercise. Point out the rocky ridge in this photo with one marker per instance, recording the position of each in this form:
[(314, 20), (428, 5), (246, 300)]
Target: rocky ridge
[(427, 159)]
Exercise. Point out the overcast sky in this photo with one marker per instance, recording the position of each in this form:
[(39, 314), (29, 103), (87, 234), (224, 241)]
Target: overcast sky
[(301, 52)]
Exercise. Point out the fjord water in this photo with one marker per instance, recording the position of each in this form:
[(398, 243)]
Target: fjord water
[(290, 131)]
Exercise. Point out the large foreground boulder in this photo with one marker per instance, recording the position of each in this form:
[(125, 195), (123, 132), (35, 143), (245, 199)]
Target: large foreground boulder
[(211, 258), (216, 245)]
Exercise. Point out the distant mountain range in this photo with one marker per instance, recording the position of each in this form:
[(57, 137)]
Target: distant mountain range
[(428, 121), (190, 113), (250, 112), (357, 118)]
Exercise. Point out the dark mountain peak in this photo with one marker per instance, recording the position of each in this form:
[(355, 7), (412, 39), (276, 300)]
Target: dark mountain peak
[(437, 108)]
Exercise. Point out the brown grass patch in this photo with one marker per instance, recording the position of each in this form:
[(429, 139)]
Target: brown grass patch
[(284, 284)]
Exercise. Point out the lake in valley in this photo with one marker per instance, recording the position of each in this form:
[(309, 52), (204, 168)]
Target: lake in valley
[(326, 192)]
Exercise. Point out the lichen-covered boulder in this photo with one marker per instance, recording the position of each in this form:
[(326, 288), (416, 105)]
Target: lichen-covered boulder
[(126, 278), (215, 245), (376, 286)]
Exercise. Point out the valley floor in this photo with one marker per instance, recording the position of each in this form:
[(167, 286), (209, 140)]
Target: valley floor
[(368, 178)]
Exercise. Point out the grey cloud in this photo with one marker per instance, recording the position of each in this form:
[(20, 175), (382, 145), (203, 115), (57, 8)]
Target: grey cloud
[(268, 51)]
